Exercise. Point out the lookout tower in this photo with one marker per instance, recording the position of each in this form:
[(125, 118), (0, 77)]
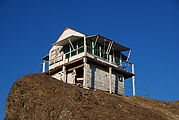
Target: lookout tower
[(92, 62)]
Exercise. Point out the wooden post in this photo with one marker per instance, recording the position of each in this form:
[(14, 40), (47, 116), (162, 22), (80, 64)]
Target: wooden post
[(70, 51), (84, 72), (43, 66), (113, 57), (123, 84), (64, 74), (110, 58), (77, 48), (110, 79), (85, 46), (92, 47), (133, 81), (100, 51), (120, 59), (64, 58)]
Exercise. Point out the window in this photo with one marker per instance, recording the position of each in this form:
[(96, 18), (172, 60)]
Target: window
[(80, 46), (67, 56), (66, 49), (97, 49), (73, 50), (89, 45)]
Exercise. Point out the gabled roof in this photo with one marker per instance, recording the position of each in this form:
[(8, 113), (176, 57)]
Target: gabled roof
[(69, 32)]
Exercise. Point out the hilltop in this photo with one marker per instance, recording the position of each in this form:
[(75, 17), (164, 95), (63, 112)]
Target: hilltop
[(39, 96)]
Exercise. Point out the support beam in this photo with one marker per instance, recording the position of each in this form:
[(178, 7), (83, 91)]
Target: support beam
[(77, 49), (133, 82), (43, 66), (110, 58), (120, 59), (71, 43), (108, 47), (109, 50), (100, 53), (123, 84), (70, 51), (110, 79), (129, 54), (64, 58), (93, 48), (85, 46), (64, 73), (84, 72), (76, 67), (114, 61), (95, 41)]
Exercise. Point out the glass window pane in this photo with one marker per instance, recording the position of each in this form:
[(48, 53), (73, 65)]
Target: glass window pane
[(66, 48), (73, 53), (81, 50), (80, 43), (67, 55)]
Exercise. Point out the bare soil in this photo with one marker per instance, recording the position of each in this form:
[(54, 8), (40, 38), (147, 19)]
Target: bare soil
[(41, 97)]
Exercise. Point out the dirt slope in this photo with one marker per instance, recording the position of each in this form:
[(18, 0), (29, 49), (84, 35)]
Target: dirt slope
[(40, 97)]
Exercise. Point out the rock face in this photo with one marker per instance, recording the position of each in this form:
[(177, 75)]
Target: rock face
[(41, 97)]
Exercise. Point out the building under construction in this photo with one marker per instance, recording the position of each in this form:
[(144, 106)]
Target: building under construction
[(92, 62)]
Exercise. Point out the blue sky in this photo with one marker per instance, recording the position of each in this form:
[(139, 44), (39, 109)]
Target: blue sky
[(149, 27)]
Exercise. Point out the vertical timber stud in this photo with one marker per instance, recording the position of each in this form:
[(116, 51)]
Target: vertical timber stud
[(133, 81), (110, 79), (43, 66), (85, 47), (84, 72), (64, 74)]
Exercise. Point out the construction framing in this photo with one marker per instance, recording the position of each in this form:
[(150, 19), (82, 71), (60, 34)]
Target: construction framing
[(91, 62)]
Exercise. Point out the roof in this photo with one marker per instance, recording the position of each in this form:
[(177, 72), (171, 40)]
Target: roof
[(102, 39), (74, 35), (69, 32)]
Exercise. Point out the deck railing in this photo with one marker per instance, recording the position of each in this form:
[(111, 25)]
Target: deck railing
[(98, 53)]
